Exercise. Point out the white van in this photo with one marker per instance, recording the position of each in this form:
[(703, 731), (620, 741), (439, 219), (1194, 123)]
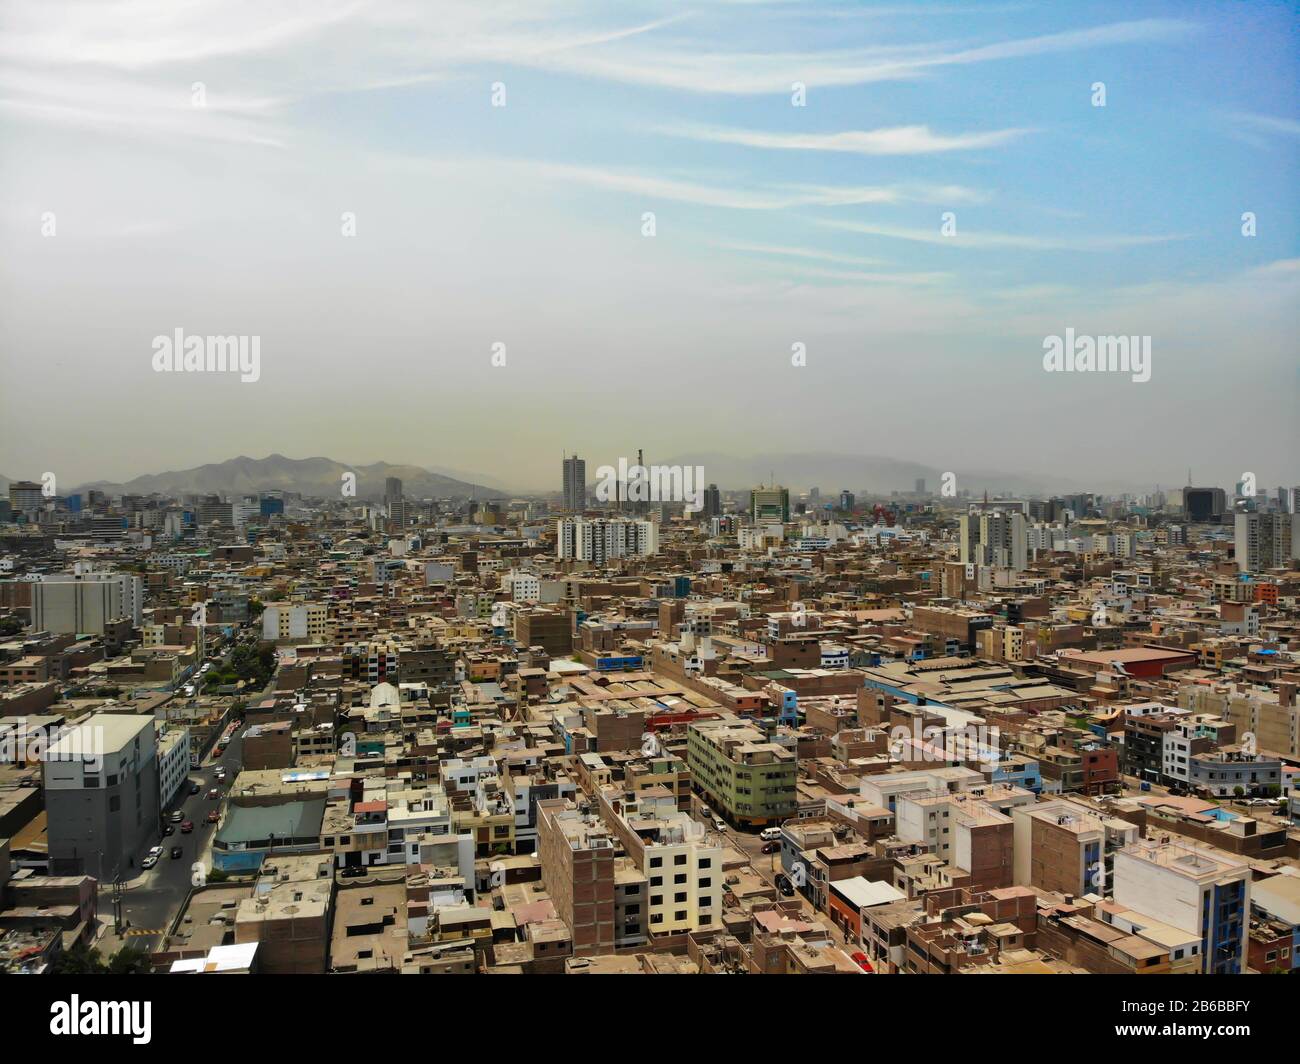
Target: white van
[(770, 834)]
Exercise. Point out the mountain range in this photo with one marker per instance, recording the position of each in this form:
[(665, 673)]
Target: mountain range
[(322, 477)]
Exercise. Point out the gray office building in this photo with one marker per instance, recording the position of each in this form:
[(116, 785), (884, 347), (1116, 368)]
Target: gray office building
[(575, 484), (101, 796)]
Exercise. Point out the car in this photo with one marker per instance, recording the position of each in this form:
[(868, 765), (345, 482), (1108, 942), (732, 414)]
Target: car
[(178, 852), (771, 847), (862, 961), (353, 872), (176, 816), (149, 861), (187, 826), (213, 816), (169, 829), (195, 787), (784, 885), (770, 834), (214, 794), (706, 812), (155, 851), (719, 824), (188, 690)]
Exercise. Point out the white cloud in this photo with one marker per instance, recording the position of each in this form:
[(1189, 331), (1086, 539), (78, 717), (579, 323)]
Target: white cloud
[(898, 140)]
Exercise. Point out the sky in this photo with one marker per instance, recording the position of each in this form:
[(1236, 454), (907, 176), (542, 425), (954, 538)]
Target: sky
[(650, 205)]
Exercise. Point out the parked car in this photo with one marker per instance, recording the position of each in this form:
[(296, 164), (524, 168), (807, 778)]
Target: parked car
[(149, 861), (178, 852), (353, 872), (771, 847), (176, 816), (187, 826), (213, 816), (770, 834), (195, 787), (863, 963), (214, 794), (784, 885), (169, 829), (719, 824)]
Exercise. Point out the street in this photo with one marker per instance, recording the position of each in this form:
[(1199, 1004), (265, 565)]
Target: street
[(151, 900)]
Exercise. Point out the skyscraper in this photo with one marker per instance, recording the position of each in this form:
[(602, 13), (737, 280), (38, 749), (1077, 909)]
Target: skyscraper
[(992, 537), (1204, 504), (1265, 541), (712, 501), (395, 501), (769, 504), (575, 484)]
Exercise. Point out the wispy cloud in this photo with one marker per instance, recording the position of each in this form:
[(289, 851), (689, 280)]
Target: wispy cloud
[(898, 140), (966, 238)]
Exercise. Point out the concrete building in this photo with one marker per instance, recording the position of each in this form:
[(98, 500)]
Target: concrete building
[(294, 622), (748, 780), (600, 540), (577, 854), (1266, 541), (575, 484), (681, 860), (993, 537), (86, 603), (101, 795), (1195, 888)]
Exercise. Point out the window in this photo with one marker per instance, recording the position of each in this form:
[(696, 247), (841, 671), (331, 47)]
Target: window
[(679, 897), (705, 883), (679, 878), (656, 862), (679, 859), (680, 914)]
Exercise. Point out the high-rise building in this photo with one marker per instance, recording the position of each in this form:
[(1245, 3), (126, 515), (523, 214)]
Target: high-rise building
[(920, 485), (992, 537), (712, 501), (847, 499), (395, 502), (575, 484), (769, 504), (600, 540), (25, 497), (1205, 504), (1266, 541)]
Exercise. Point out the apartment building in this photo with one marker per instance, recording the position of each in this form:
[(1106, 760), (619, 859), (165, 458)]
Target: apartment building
[(681, 860), (600, 540), (295, 622), (577, 854), (1195, 888), (748, 780)]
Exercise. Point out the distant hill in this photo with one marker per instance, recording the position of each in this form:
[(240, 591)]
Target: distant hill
[(309, 476)]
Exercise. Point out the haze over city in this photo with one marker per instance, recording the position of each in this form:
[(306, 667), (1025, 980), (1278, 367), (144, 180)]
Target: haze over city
[(197, 162)]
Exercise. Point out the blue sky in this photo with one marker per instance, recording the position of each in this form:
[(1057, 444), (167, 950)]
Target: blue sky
[(775, 224)]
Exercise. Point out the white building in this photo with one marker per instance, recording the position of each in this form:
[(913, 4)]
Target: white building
[(294, 622), (600, 539), (85, 602)]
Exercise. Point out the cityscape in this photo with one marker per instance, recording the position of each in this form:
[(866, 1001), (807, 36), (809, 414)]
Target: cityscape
[(785, 730), (735, 487)]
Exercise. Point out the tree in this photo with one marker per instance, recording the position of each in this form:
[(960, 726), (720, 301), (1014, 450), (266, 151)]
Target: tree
[(1239, 790), (80, 960), (130, 961)]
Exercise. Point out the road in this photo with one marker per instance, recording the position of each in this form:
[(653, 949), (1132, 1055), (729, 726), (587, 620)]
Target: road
[(152, 899), (766, 866)]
